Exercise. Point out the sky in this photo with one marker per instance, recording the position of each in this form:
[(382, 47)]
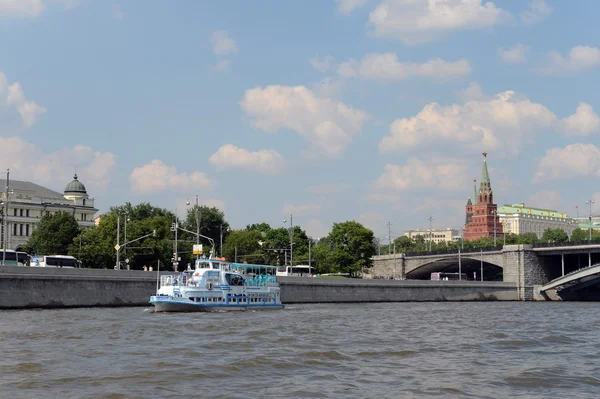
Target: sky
[(326, 110)]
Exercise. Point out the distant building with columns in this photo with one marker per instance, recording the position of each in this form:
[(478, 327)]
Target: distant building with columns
[(28, 202), (519, 219)]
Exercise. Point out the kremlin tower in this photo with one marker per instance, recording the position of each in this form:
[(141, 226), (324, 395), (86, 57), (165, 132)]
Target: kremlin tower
[(481, 212)]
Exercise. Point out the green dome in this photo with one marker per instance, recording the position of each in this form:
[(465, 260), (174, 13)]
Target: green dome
[(75, 187)]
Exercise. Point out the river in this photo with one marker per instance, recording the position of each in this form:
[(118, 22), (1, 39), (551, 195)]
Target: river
[(381, 350)]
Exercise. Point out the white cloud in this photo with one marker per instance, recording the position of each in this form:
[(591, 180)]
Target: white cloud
[(346, 7), (117, 12), (314, 228), (263, 161), (223, 65), (15, 97), (328, 188), (414, 22), (580, 58), (68, 4), (515, 55), (322, 64), (572, 161), (545, 199), (21, 8), (386, 66), (537, 12), (300, 209), (372, 220), (327, 124), (583, 122), (328, 87), (56, 168), (223, 44), (157, 176), (505, 123), (472, 92), (441, 173)]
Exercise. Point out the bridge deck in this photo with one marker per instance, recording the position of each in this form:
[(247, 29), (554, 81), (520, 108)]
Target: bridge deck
[(572, 277)]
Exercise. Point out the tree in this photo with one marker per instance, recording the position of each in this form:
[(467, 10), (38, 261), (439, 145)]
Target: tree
[(54, 234), (243, 245), (212, 223), (527, 238), (554, 235), (579, 235), (404, 244), (321, 259), (352, 247)]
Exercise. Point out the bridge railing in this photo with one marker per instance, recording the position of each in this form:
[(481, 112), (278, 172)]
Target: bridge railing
[(565, 244), (455, 251)]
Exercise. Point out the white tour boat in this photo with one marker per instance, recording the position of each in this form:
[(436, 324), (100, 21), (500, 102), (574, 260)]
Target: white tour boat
[(217, 285)]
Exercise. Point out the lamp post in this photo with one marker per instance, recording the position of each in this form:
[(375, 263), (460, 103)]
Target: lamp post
[(221, 242), (291, 240), (430, 218), (494, 213), (125, 245), (6, 201), (590, 202), (459, 266), (481, 264), (462, 238), (394, 260), (118, 246), (197, 215)]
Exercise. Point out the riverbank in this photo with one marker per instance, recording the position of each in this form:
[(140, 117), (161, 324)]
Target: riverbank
[(31, 287)]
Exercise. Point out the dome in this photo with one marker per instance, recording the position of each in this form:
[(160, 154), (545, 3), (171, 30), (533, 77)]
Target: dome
[(75, 187)]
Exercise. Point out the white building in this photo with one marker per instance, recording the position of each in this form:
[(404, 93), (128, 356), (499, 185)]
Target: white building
[(28, 202), (519, 219), (435, 235)]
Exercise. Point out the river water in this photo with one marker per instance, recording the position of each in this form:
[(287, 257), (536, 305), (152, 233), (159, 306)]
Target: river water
[(383, 350)]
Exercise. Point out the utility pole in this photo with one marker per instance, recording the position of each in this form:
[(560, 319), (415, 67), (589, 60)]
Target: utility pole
[(221, 246), (590, 202), (389, 225), (430, 218), (6, 199), (118, 246), (291, 240)]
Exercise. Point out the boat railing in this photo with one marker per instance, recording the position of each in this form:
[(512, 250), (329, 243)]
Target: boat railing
[(175, 280), (260, 280)]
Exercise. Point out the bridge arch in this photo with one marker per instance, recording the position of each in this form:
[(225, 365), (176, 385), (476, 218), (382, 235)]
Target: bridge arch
[(470, 265)]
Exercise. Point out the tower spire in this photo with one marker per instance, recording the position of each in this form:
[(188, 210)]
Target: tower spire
[(485, 186), (474, 191)]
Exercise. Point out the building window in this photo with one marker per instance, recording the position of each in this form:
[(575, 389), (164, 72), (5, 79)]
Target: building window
[(84, 202), (27, 213), (20, 212), (15, 228), (27, 230), (15, 212), (21, 228)]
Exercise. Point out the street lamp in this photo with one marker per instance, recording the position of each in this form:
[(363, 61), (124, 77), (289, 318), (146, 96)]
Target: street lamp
[(590, 202), (430, 218), (291, 240), (197, 214), (6, 201), (462, 238), (494, 213), (221, 247), (125, 245)]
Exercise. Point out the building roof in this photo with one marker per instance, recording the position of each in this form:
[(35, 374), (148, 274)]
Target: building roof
[(75, 187), (525, 210), (23, 189)]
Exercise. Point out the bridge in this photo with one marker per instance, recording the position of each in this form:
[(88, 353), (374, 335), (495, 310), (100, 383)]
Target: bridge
[(580, 284), (529, 266)]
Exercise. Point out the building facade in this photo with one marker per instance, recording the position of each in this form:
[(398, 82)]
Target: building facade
[(519, 219), (481, 213), (28, 202), (435, 235)]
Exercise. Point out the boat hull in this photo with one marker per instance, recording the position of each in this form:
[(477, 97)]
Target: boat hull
[(169, 304)]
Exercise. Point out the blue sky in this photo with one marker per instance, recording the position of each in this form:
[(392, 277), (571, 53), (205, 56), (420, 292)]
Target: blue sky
[(366, 110)]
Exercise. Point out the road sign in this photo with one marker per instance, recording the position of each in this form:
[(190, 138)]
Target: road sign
[(117, 247), (197, 249)]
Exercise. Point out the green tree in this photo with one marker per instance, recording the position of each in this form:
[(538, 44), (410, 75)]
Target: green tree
[(554, 235), (579, 235), (244, 245), (321, 259), (404, 244), (527, 238), (54, 234), (352, 248), (212, 223)]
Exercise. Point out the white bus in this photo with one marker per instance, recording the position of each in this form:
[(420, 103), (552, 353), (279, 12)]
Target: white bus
[(55, 261), (298, 270)]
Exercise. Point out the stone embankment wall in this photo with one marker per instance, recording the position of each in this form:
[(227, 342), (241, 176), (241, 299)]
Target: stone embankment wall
[(337, 290), (32, 287)]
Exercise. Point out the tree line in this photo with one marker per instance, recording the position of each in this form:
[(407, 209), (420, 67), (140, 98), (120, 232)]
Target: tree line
[(419, 243), (348, 248)]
